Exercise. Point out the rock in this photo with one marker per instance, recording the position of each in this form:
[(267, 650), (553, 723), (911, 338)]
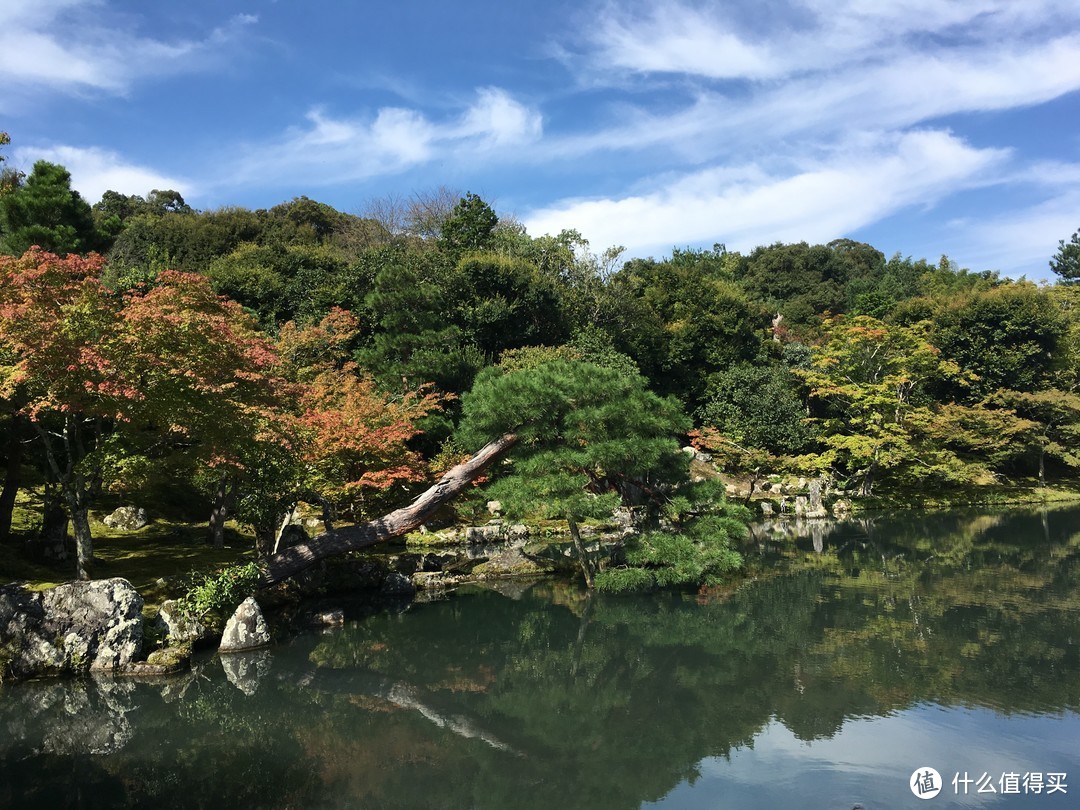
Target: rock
[(842, 508), (166, 661), (494, 507), (326, 617), (512, 563), (245, 670), (397, 584), (246, 630), (76, 627), (484, 534), (178, 626), (800, 505), (127, 519), (766, 508)]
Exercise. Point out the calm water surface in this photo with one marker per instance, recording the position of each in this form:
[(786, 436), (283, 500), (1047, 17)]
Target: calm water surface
[(850, 658)]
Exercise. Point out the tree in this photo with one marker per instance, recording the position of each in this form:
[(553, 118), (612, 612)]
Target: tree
[(354, 438), (758, 406), (872, 380), (104, 379), (1012, 336), (683, 320), (1066, 262), (589, 438), (45, 211), (502, 303), (10, 179), (469, 225)]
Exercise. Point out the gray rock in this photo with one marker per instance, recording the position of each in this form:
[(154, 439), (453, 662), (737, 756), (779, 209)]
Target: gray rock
[(246, 670), (766, 508), (76, 627), (246, 630), (397, 584), (126, 518), (494, 507), (178, 626), (484, 534)]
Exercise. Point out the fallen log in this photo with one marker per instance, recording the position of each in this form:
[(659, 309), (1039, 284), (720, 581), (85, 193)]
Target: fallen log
[(295, 559)]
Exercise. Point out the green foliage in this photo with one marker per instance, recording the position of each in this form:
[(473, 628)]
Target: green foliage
[(625, 580), (45, 211), (873, 381), (802, 282), (502, 303), (219, 592), (584, 431), (683, 320), (1008, 337), (1066, 262), (758, 406), (469, 225), (698, 553)]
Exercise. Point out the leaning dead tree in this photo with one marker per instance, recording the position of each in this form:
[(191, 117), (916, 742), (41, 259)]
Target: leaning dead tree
[(295, 559)]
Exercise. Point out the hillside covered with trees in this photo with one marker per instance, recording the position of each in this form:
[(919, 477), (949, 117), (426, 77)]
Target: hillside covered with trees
[(256, 359)]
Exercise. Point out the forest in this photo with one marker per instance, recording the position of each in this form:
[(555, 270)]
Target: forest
[(245, 361)]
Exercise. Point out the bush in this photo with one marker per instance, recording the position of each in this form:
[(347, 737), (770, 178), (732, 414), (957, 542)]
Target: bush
[(625, 580), (219, 592)]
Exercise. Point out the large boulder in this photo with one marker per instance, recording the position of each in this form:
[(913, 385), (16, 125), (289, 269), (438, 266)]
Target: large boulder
[(76, 627), (246, 630), (126, 518), (179, 627)]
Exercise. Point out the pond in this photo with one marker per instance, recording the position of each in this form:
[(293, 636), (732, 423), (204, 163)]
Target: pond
[(847, 662)]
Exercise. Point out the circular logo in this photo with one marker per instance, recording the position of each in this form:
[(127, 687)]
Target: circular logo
[(925, 783)]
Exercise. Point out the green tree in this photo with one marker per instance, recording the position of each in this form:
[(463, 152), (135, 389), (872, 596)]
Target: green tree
[(758, 406), (502, 303), (589, 439), (45, 211), (683, 320), (469, 226), (872, 380), (1012, 336), (1066, 262)]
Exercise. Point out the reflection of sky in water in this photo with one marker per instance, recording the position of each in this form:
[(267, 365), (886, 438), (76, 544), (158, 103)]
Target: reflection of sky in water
[(870, 760)]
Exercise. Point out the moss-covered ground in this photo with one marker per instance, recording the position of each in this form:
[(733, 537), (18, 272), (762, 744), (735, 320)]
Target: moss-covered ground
[(156, 559)]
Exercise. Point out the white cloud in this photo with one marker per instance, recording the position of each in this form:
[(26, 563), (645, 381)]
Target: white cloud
[(803, 36), (861, 182), (908, 91), (95, 171), (335, 150), (78, 45)]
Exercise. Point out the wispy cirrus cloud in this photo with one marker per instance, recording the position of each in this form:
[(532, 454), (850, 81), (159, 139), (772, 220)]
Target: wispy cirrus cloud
[(330, 150), (86, 46), (808, 119)]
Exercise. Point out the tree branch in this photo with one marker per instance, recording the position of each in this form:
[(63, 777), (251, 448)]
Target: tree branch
[(295, 559)]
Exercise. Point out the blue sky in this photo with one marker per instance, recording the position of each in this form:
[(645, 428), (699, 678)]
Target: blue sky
[(920, 126)]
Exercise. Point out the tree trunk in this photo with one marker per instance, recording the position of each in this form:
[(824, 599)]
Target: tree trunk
[(220, 512), (84, 543), (11, 485), (352, 538), (582, 555), (1042, 466)]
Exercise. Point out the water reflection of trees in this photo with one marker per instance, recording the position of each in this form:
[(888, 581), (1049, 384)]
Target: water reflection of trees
[(554, 699)]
